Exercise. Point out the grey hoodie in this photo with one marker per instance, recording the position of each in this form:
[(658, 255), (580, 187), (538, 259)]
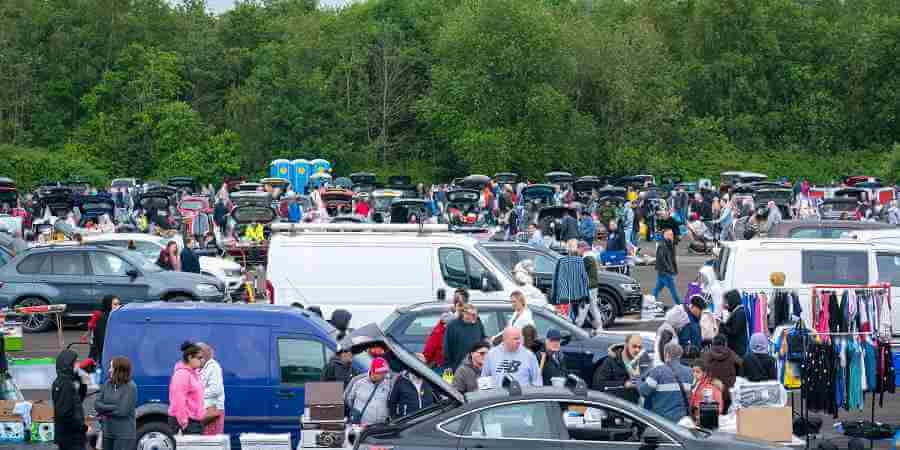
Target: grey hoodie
[(117, 403), (466, 377)]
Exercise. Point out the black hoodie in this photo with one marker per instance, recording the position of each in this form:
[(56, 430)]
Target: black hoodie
[(68, 395), (735, 328)]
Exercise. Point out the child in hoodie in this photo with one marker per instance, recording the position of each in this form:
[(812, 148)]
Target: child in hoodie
[(186, 411)]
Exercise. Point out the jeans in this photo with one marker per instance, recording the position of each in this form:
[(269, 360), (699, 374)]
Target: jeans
[(664, 280)]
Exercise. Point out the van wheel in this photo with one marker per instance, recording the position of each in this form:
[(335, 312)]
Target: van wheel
[(35, 323), (609, 309), (155, 436)]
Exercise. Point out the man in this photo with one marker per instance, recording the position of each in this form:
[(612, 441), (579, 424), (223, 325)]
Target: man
[(553, 361), (512, 358), (628, 228), (615, 240), (689, 336), (535, 237), (340, 367), (699, 232), (466, 377), (367, 398), (735, 326), (666, 267), (667, 385), (189, 260), (592, 267), (213, 391), (587, 231), (568, 228), (620, 371), (69, 390), (894, 213), (461, 335)]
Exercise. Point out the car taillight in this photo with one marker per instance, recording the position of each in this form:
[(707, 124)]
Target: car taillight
[(270, 292)]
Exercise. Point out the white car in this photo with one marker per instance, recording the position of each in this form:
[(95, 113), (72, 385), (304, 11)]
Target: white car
[(229, 272)]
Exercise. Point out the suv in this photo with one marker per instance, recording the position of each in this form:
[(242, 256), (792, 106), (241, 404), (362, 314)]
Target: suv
[(618, 294), (78, 275), (410, 326)]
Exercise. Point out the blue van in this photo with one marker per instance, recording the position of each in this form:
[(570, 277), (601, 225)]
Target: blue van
[(267, 354)]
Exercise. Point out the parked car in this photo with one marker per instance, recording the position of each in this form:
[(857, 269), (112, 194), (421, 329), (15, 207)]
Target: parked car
[(411, 325), (519, 417), (79, 275), (228, 272), (618, 294), (823, 229), (267, 354)]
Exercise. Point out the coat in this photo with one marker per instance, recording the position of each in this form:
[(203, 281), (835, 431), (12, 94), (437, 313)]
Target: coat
[(459, 338), (336, 370), (615, 242), (434, 345), (612, 375), (186, 395), (568, 228), (68, 395), (117, 404), (465, 379), (189, 261), (665, 258), (735, 329), (552, 367), (406, 398), (759, 367), (696, 396), (721, 364)]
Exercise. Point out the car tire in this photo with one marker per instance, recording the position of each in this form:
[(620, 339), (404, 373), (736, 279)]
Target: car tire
[(35, 323), (155, 436), (609, 307)]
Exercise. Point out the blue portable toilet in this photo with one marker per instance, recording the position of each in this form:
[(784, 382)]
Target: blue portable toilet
[(320, 166), (300, 172), (280, 168)]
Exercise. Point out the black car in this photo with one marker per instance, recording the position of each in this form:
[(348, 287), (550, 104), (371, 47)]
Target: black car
[(618, 294), (411, 325), (80, 275), (520, 417)]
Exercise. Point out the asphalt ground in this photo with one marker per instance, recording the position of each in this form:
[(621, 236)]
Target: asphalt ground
[(46, 345)]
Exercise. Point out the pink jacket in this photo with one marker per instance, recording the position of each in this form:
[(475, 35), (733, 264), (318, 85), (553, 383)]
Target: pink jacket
[(186, 395)]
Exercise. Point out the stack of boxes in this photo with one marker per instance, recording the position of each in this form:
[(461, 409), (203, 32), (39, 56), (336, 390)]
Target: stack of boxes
[(42, 429), (12, 425), (323, 424)]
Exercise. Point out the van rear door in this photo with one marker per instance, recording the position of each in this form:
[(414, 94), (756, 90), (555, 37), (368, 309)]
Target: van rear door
[(298, 359)]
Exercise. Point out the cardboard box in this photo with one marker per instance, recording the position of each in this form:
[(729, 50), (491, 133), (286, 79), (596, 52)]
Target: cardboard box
[(323, 401), (768, 424), (41, 412)]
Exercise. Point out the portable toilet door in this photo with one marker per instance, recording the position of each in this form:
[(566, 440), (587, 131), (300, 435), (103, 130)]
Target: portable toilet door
[(280, 168), (300, 178), (321, 166)]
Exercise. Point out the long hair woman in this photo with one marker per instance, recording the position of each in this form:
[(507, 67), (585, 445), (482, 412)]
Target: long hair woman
[(116, 404)]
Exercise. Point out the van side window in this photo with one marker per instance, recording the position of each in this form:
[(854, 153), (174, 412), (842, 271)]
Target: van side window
[(476, 270), (300, 361), (888, 268), (34, 264), (832, 267), (453, 267)]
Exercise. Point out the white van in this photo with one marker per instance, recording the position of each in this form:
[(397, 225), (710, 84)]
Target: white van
[(370, 270), (746, 266)]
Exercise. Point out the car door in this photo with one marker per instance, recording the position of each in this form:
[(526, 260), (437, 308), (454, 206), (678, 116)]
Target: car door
[(299, 358), (592, 426), (111, 278), (513, 425), (70, 276)]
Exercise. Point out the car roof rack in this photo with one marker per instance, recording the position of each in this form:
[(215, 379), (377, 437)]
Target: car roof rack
[(358, 227)]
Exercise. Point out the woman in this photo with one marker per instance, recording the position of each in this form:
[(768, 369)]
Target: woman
[(68, 395), (116, 404), (703, 382), (735, 326), (521, 313), (186, 412), (531, 342), (109, 304), (758, 364), (169, 259)]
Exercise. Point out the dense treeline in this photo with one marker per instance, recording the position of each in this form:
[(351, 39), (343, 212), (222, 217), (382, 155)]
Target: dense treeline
[(438, 88)]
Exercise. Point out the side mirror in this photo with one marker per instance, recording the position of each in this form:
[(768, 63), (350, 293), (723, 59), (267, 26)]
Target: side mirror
[(133, 273)]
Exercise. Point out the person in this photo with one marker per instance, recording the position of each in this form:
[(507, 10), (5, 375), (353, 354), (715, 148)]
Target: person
[(722, 364), (213, 392), (592, 268), (553, 360), (735, 326), (666, 267), (188, 259), (703, 382), (465, 379), (620, 371), (894, 213), (295, 209), (340, 367), (116, 403), (186, 412), (109, 303), (568, 228), (166, 260), (131, 245), (689, 336), (340, 320), (615, 240), (461, 335), (758, 364), (700, 234), (724, 221), (68, 395), (535, 237), (587, 231), (4, 364), (409, 394), (367, 399), (513, 359), (434, 345), (521, 313), (530, 340), (666, 386)]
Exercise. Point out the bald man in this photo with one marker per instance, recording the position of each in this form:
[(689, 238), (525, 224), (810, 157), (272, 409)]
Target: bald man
[(511, 357)]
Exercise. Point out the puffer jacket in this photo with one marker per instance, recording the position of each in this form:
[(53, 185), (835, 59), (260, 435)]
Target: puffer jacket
[(612, 375)]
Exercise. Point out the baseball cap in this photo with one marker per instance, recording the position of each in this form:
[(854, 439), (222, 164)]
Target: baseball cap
[(379, 365), (554, 335)]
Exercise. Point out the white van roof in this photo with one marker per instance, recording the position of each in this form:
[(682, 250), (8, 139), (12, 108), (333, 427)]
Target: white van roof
[(368, 238), (837, 244)]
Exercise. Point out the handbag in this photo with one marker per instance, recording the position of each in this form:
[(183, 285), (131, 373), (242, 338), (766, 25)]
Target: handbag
[(357, 415)]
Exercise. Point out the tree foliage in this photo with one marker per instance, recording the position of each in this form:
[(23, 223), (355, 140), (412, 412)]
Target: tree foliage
[(442, 88)]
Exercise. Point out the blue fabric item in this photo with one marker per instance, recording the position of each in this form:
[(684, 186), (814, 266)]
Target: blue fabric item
[(749, 302), (586, 229), (666, 281), (570, 281), (871, 376), (839, 393), (661, 387), (690, 334), (854, 384), (295, 212)]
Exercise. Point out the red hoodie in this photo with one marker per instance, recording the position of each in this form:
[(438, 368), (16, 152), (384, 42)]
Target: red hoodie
[(434, 345)]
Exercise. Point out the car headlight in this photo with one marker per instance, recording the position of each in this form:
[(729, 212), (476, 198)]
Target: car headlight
[(630, 286), (207, 289)]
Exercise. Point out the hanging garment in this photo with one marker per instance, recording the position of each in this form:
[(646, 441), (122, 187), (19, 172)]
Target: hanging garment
[(780, 308), (854, 377), (840, 362), (871, 367), (570, 281), (823, 320), (796, 309), (834, 313), (819, 381), (886, 381)]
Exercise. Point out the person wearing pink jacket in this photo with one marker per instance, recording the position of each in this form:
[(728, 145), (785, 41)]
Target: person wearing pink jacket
[(186, 412)]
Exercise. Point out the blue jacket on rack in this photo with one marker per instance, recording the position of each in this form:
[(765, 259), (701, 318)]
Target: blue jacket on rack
[(570, 281)]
